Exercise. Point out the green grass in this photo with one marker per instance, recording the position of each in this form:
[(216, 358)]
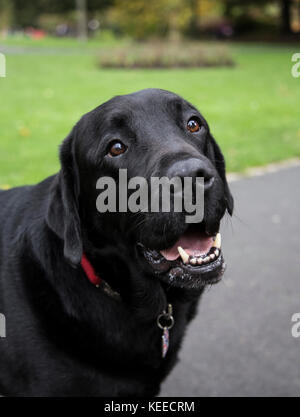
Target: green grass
[(253, 108), (105, 38)]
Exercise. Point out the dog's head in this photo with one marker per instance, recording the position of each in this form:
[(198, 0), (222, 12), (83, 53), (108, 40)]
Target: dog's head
[(151, 133)]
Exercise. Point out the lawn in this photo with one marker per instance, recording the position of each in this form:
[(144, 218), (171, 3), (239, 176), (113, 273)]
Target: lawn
[(253, 108)]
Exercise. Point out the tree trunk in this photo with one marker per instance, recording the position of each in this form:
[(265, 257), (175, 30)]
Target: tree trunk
[(6, 13), (286, 16), (81, 19), (228, 9)]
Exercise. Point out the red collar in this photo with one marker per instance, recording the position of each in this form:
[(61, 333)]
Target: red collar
[(89, 271), (96, 280)]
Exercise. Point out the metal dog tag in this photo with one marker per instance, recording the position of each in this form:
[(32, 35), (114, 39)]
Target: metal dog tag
[(165, 321), (165, 342)]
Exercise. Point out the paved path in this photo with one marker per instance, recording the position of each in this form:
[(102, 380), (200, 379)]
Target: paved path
[(240, 344)]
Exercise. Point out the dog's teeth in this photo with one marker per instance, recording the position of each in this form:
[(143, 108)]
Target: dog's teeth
[(206, 259), (183, 254), (212, 256), (193, 261), (199, 261), (217, 242), (217, 252)]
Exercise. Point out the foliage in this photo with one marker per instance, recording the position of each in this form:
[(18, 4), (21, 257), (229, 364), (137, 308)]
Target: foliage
[(259, 12), (27, 12), (143, 19)]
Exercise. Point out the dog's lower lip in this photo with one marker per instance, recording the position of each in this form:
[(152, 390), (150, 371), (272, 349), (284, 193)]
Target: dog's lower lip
[(197, 276)]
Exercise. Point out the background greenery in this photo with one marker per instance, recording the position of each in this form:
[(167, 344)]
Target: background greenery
[(252, 108), (142, 19)]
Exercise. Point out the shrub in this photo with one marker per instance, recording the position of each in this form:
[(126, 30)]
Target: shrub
[(166, 55)]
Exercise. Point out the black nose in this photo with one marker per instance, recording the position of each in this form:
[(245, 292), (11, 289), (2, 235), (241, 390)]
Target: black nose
[(192, 167)]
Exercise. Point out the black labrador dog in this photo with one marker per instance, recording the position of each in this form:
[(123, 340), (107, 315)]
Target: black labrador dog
[(90, 298)]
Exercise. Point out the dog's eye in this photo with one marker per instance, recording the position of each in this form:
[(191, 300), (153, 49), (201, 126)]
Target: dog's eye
[(116, 148), (193, 125)]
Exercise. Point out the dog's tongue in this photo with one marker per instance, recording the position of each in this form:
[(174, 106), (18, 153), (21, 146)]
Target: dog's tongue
[(194, 243)]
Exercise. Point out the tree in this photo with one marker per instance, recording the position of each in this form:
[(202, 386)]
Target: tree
[(6, 12), (285, 6), (143, 19), (27, 12)]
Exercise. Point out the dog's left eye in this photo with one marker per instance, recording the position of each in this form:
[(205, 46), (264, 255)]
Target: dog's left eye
[(193, 125), (116, 148)]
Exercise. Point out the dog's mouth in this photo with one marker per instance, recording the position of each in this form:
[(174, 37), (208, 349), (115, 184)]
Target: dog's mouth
[(193, 261)]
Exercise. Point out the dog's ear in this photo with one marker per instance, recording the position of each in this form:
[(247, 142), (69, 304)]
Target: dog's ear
[(63, 208), (216, 156)]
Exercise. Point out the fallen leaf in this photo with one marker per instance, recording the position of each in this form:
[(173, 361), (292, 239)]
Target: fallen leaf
[(5, 187), (24, 131)]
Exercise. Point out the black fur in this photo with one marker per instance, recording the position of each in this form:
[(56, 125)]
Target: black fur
[(65, 337)]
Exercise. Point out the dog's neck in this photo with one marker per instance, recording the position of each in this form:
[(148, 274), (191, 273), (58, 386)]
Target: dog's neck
[(143, 292), (116, 265)]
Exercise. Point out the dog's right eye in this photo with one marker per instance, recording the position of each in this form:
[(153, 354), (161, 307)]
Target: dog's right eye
[(116, 148)]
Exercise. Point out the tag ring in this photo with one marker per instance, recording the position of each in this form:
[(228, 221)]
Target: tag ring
[(166, 317)]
